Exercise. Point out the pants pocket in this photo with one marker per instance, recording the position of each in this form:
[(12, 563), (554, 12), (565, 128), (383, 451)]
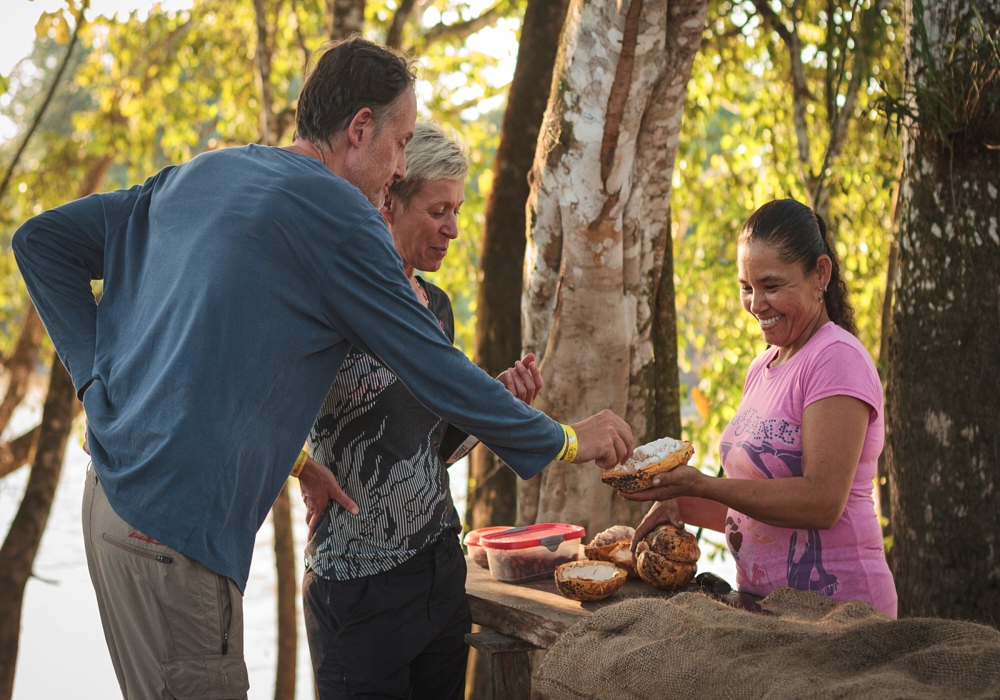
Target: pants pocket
[(225, 610), (134, 549), (214, 677)]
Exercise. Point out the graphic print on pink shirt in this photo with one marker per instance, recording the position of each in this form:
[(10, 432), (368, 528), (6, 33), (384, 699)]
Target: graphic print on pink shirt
[(773, 447)]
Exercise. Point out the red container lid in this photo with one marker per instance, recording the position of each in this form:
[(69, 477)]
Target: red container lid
[(473, 536), (549, 535)]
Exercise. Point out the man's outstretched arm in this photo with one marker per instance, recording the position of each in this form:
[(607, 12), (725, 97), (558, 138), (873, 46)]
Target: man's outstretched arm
[(373, 306)]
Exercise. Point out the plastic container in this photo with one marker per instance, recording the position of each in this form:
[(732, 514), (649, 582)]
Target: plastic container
[(534, 552), (476, 551)]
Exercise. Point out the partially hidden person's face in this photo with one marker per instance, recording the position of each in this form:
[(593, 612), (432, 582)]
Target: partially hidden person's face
[(785, 300), (423, 228), (383, 157)]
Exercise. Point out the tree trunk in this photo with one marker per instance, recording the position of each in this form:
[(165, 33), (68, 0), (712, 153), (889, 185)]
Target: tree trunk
[(492, 490), (666, 398), (943, 394), (281, 510), (599, 213), (883, 489), (17, 555), (344, 17), (263, 61), (284, 557), (22, 361), (492, 487), (20, 367)]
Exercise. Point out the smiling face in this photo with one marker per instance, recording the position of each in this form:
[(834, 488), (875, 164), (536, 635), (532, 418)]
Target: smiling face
[(785, 300), (423, 227), (379, 156)]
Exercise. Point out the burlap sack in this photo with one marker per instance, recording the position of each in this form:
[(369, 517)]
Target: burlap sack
[(802, 646)]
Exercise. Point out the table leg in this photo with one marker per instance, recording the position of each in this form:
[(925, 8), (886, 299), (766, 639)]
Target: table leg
[(511, 676), (509, 664)]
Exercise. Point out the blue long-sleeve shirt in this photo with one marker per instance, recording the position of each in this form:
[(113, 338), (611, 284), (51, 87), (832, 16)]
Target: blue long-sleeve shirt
[(234, 286)]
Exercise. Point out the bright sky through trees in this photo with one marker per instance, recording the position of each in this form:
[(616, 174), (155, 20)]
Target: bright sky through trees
[(17, 34), (17, 31)]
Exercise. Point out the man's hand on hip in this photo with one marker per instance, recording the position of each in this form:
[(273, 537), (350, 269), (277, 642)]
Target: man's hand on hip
[(604, 438)]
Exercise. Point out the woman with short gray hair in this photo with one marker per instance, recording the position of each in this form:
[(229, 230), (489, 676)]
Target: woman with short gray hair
[(384, 588)]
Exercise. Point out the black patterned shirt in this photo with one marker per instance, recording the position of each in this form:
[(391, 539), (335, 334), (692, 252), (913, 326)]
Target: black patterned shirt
[(382, 446)]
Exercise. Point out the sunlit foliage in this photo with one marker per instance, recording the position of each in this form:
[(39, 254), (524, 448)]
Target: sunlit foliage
[(739, 149), (161, 87), (151, 89)]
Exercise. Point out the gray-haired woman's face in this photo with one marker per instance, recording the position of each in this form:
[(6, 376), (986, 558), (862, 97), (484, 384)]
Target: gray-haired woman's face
[(423, 228)]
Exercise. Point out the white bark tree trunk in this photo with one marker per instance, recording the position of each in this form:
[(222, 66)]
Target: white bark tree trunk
[(598, 227)]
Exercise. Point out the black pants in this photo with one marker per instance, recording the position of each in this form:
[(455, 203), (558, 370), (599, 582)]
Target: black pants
[(400, 634)]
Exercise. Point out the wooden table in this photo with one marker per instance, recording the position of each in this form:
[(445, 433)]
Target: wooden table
[(534, 615), (536, 612), (525, 617)]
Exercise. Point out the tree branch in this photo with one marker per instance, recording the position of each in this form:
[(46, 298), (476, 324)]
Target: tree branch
[(841, 119), (453, 110), (394, 36), (831, 103), (462, 30), (162, 53), (18, 452), (345, 17), (800, 89), (300, 38), (263, 56), (48, 98), (842, 64)]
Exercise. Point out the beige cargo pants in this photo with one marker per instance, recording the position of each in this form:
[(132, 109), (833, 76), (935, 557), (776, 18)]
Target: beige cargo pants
[(174, 628)]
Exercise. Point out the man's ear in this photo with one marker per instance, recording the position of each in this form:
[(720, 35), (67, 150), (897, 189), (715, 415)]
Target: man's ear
[(362, 127), (388, 208)]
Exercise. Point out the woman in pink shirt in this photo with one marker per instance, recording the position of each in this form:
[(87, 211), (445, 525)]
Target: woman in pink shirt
[(801, 453)]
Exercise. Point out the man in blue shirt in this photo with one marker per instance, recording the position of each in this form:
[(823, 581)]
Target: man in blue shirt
[(234, 286)]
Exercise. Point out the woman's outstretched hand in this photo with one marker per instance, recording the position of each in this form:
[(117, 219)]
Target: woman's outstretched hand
[(676, 482)]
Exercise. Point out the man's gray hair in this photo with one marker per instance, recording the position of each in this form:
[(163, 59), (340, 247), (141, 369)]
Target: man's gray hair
[(432, 154)]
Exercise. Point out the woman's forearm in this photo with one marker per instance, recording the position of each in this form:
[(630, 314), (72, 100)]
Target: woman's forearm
[(702, 512), (796, 502)]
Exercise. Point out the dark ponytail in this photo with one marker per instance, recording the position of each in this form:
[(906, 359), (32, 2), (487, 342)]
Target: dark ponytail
[(837, 307), (799, 234)]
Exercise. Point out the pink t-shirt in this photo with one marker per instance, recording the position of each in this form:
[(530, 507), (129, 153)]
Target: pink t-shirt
[(764, 441)]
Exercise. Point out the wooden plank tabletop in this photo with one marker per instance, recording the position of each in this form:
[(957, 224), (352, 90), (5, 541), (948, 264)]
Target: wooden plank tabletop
[(536, 612)]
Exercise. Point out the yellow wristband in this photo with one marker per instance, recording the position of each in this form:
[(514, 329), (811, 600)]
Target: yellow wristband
[(300, 462), (572, 444)]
